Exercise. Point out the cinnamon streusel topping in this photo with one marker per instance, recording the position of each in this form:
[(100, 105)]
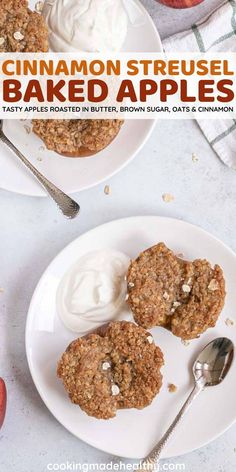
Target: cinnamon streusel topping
[(21, 30), (115, 368), (77, 138), (184, 297)]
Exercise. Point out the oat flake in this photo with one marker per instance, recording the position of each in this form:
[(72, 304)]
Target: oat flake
[(106, 366), (229, 322), (2, 41), (18, 36), (186, 288), (39, 7), (167, 197), (115, 390), (176, 304), (172, 388), (213, 285), (107, 190), (194, 157), (27, 129), (150, 339)]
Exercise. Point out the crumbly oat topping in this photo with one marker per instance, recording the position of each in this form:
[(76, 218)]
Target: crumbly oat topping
[(168, 197), (106, 365), (191, 307), (133, 380), (21, 29), (77, 138)]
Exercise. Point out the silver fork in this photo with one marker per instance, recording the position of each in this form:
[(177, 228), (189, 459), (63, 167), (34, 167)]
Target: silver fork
[(69, 207)]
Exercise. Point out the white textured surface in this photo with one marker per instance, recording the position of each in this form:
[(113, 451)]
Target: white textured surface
[(32, 233)]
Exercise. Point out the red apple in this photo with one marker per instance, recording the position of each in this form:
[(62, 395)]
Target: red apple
[(181, 3), (3, 401)]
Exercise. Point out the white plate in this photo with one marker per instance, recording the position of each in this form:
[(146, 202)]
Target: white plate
[(73, 175), (133, 433)]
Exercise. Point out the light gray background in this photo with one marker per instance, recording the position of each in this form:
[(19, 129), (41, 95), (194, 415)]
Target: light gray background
[(32, 232)]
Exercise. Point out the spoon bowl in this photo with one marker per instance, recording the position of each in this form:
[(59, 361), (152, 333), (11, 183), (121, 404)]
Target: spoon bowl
[(213, 362)]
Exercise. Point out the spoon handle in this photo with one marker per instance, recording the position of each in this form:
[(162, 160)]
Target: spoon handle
[(151, 460), (68, 206)]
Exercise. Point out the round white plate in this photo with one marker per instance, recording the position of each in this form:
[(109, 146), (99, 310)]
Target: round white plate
[(133, 433), (73, 175)]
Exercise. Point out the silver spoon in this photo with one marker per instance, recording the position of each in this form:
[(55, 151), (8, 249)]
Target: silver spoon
[(210, 368), (69, 207)]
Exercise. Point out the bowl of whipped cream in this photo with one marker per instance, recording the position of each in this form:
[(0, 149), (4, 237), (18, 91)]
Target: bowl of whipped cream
[(96, 25), (93, 291)]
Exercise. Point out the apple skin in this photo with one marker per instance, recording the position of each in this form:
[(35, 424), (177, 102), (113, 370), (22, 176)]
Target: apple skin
[(181, 3), (3, 401)]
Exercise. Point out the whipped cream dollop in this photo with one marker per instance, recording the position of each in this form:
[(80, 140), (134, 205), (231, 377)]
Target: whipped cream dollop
[(91, 293), (86, 25)]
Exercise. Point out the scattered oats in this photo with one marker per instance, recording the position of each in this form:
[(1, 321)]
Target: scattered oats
[(107, 190), (185, 342), (172, 310), (126, 297), (150, 339), (229, 322), (115, 390), (18, 36), (176, 304), (125, 277), (27, 129), (106, 366), (194, 157), (2, 41), (186, 288), (165, 296), (213, 285), (130, 285), (172, 388), (39, 7), (42, 148), (180, 255), (167, 197), (189, 281)]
